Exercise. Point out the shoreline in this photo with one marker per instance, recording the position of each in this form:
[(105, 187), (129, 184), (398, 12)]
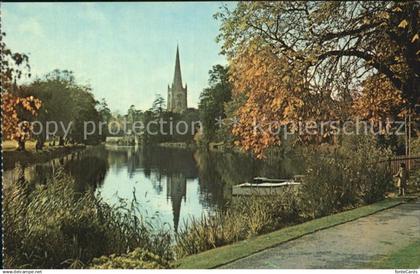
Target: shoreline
[(10, 158)]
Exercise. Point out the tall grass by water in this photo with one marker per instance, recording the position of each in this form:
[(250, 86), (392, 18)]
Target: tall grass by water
[(53, 226), (245, 217)]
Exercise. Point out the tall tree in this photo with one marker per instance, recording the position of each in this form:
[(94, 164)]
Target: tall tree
[(104, 110), (213, 99), (331, 41), (54, 90), (158, 105), (303, 60), (66, 103)]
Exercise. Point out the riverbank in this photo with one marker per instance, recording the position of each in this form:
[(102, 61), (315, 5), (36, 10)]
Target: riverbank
[(226, 254), (11, 156), (176, 145)]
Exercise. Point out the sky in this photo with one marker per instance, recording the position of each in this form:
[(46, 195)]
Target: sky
[(124, 51)]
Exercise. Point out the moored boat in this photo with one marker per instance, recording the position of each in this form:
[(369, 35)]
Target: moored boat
[(267, 186)]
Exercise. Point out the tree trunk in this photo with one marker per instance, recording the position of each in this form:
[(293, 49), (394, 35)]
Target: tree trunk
[(21, 146), (61, 142), (39, 142)]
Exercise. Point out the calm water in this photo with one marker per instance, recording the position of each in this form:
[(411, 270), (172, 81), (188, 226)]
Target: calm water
[(171, 184)]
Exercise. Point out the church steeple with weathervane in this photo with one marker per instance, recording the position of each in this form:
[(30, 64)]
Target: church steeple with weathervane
[(177, 94)]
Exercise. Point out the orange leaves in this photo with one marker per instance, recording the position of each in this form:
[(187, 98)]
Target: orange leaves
[(274, 98), (403, 24), (378, 100), (13, 127), (38, 104)]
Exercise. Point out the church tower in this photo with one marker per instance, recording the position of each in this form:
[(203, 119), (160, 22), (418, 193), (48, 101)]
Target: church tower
[(177, 94)]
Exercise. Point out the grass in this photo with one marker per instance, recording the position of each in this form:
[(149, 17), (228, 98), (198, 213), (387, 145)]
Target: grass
[(405, 258), (219, 256), (243, 218)]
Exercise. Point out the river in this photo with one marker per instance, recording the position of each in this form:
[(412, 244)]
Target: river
[(170, 185)]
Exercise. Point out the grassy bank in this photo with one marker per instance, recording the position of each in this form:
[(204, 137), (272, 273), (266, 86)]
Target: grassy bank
[(407, 257), (223, 255), (11, 156)]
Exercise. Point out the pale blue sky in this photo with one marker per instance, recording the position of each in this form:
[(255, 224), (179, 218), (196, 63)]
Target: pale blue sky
[(125, 51)]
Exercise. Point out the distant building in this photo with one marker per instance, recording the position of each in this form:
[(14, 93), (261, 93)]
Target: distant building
[(177, 94)]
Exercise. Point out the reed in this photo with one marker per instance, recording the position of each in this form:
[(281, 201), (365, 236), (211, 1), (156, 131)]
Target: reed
[(244, 218), (53, 226)]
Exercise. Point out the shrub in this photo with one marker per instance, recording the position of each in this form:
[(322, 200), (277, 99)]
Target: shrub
[(53, 226), (137, 259), (354, 173), (415, 151)]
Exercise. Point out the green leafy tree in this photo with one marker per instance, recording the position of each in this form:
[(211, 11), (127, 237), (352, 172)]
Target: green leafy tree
[(65, 102), (158, 105), (84, 107), (104, 110), (213, 100)]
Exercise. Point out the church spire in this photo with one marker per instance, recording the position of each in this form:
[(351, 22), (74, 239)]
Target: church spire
[(177, 94), (177, 75)]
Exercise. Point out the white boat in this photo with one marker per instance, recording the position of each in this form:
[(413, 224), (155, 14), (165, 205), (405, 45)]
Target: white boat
[(265, 186)]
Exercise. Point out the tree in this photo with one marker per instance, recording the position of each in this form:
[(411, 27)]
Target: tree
[(308, 57), (66, 103), (213, 99), (84, 110), (378, 100), (273, 101), (104, 110), (134, 114), (13, 127), (158, 105), (331, 41), (188, 117), (13, 67), (54, 90)]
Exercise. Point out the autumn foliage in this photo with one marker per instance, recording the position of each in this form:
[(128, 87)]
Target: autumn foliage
[(277, 99), (378, 100), (13, 67), (272, 100), (13, 127), (305, 61)]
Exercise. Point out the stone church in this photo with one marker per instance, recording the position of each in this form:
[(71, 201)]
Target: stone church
[(177, 94)]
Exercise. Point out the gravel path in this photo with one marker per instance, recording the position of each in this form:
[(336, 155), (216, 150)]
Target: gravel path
[(350, 245)]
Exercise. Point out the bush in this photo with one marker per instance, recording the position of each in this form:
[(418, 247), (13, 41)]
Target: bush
[(415, 151), (53, 226), (354, 173), (138, 259)]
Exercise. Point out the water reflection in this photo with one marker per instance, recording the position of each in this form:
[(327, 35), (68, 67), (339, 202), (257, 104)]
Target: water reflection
[(171, 184), (176, 191)]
